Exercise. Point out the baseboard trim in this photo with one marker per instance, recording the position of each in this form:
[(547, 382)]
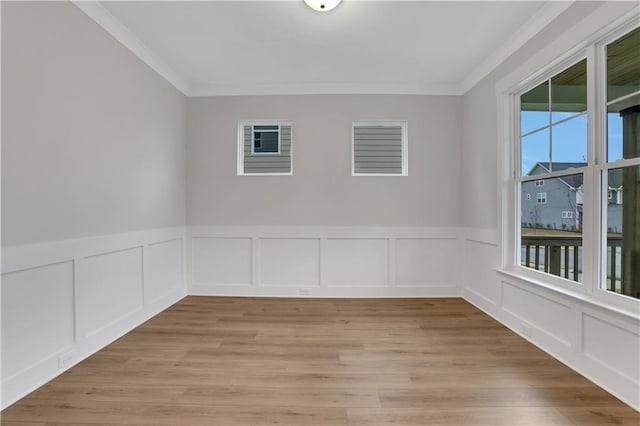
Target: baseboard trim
[(25, 382), (323, 292)]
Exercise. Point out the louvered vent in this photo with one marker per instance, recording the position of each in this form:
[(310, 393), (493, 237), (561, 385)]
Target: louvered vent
[(378, 149)]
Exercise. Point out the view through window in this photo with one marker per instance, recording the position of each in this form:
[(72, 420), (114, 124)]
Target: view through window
[(554, 163)]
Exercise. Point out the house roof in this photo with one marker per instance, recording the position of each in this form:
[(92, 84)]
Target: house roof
[(576, 180), (555, 166), (573, 181)]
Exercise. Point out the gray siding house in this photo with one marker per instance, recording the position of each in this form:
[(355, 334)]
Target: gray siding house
[(556, 203)]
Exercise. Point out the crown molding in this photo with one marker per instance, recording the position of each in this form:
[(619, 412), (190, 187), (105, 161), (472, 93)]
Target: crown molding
[(117, 30), (121, 33), (348, 88), (543, 17)]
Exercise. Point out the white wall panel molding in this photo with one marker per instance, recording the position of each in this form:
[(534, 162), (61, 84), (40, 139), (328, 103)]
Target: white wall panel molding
[(64, 300), (323, 261), (599, 343)]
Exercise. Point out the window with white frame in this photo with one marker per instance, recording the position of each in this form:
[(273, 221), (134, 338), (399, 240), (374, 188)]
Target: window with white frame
[(266, 139), (379, 148), (264, 147), (576, 134)]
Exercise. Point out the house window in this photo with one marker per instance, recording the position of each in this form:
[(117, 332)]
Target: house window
[(581, 170), (266, 140), (264, 148), (379, 148)]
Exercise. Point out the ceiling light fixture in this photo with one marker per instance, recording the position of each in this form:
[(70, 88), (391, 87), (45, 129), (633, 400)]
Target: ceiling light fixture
[(322, 5)]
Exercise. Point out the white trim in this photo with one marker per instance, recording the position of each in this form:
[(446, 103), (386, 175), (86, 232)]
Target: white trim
[(253, 140), (89, 338), (623, 98), (386, 273), (104, 18), (508, 90), (562, 337), (383, 123), (120, 32), (240, 145), (1, 251), (543, 17), (365, 292), (576, 295), (349, 88)]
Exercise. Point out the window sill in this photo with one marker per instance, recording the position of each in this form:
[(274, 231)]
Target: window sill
[(575, 295)]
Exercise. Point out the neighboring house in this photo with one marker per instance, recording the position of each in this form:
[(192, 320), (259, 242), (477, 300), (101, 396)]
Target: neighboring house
[(557, 203), (614, 197)]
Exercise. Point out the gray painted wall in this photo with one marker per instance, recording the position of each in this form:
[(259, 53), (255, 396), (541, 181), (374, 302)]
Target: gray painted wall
[(321, 190), (93, 140)]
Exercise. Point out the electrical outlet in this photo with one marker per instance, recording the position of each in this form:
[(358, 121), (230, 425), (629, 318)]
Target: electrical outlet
[(526, 330), (65, 361), (305, 292)]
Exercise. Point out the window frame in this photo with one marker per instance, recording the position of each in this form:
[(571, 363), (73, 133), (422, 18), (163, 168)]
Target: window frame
[(240, 145), (384, 123), (541, 198), (253, 139), (508, 91)]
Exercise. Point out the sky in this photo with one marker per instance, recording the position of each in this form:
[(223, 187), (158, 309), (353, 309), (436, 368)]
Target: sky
[(569, 138)]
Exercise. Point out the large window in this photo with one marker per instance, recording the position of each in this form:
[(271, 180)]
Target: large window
[(578, 136)]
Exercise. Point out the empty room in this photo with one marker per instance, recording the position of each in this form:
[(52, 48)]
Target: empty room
[(320, 212)]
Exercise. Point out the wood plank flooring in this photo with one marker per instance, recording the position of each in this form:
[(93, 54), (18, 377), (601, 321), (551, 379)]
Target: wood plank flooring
[(356, 362)]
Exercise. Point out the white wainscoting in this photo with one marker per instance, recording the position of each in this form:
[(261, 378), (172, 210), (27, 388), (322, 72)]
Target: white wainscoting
[(600, 344), (324, 261), (64, 300)]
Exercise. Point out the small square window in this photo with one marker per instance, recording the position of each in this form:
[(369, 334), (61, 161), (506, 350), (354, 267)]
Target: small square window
[(539, 183), (266, 140), (264, 148), (541, 198), (567, 215)]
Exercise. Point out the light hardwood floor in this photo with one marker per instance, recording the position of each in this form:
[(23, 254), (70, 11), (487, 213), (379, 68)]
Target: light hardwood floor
[(357, 362)]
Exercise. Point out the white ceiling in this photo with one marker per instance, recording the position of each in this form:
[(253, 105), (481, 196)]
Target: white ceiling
[(283, 47)]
